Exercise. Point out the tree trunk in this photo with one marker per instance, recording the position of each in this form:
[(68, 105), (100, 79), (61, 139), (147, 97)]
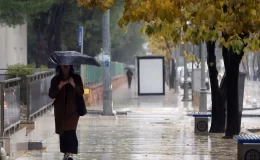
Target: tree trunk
[(172, 74), (232, 61), (258, 70), (218, 111), (247, 66), (40, 24), (55, 28), (173, 68), (254, 70), (48, 30), (168, 74), (245, 69)]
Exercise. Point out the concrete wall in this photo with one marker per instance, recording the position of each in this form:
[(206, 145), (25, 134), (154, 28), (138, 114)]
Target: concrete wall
[(96, 91), (13, 45)]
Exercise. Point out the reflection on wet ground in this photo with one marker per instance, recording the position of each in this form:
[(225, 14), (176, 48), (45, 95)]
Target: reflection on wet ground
[(155, 128), (140, 135)]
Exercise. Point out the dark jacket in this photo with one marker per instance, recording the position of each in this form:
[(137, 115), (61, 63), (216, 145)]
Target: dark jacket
[(129, 73), (65, 109)]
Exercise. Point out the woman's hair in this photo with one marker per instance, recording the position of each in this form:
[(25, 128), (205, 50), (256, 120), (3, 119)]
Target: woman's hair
[(58, 70)]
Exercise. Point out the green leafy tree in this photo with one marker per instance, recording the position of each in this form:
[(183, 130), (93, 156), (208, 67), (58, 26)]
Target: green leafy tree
[(14, 12), (53, 25)]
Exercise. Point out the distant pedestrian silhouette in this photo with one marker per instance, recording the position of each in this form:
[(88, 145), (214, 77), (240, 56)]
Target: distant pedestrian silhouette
[(129, 75)]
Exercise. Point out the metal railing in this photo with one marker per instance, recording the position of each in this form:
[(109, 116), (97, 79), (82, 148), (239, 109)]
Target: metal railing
[(117, 69), (10, 103), (37, 92), (25, 96), (92, 74)]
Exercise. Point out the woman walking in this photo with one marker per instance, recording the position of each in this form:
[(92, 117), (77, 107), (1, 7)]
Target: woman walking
[(64, 87)]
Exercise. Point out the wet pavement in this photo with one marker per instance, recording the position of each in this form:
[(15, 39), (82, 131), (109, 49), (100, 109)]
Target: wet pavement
[(161, 135), (155, 128)]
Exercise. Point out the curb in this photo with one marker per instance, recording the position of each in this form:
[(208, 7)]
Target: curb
[(100, 112), (35, 145), (254, 129), (243, 115)]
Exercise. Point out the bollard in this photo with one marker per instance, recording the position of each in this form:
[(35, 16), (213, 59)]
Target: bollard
[(2, 152), (201, 122)]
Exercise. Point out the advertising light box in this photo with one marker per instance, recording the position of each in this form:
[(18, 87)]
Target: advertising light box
[(151, 75)]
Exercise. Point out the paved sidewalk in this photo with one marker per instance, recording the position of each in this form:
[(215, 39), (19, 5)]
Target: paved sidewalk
[(125, 99), (155, 128), (151, 134)]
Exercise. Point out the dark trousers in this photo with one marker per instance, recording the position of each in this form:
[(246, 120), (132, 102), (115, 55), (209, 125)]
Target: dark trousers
[(69, 142), (129, 81)]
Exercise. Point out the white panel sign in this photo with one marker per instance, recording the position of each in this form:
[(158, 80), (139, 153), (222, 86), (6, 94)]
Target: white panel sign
[(151, 80)]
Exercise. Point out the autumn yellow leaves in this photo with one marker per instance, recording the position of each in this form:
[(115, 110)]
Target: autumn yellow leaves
[(149, 10), (101, 4), (160, 46), (209, 20)]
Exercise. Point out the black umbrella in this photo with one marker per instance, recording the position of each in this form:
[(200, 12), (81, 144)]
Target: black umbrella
[(72, 58)]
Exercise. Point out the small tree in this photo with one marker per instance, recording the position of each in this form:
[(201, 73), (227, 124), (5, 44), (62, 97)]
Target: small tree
[(160, 46)]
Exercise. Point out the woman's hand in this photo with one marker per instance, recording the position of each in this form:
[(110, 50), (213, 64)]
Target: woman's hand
[(71, 81), (62, 83)]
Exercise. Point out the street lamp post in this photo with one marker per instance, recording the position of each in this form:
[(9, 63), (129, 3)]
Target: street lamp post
[(106, 45), (203, 89), (186, 83), (177, 55), (192, 78), (81, 44)]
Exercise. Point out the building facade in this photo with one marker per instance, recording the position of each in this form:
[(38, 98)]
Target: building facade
[(13, 45)]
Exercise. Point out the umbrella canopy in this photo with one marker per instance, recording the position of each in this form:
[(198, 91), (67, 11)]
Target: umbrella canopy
[(72, 58), (132, 67)]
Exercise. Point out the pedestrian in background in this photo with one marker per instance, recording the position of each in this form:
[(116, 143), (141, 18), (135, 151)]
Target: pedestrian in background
[(129, 75), (64, 87)]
